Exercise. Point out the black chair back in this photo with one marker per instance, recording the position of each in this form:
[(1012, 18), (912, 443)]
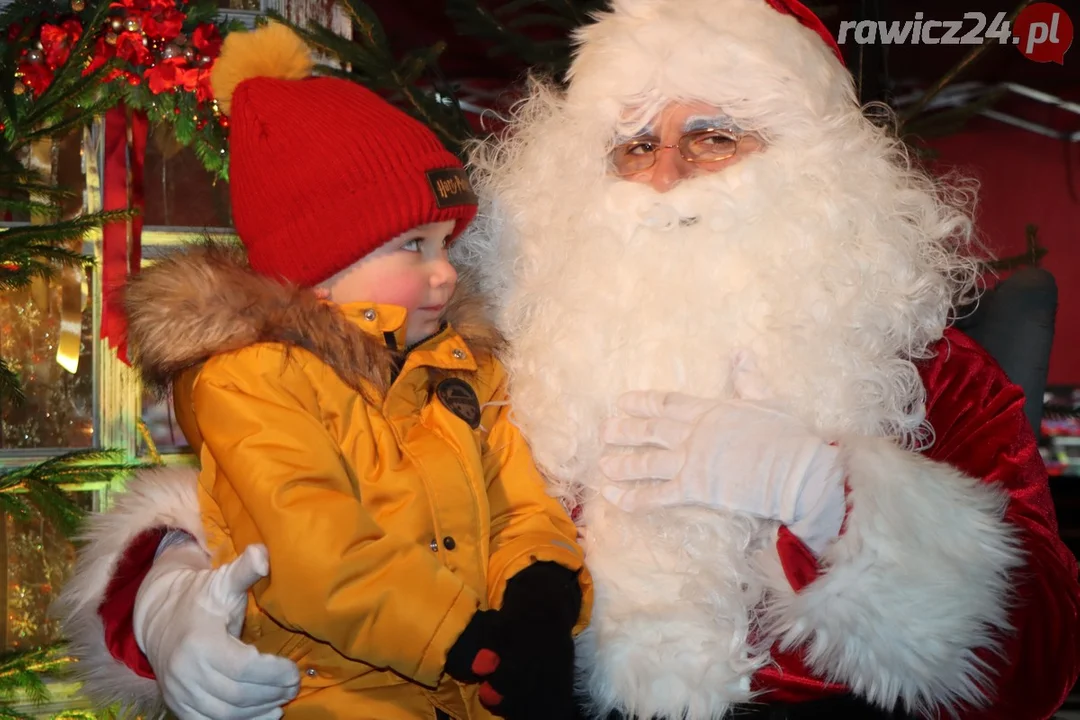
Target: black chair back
[(1014, 322)]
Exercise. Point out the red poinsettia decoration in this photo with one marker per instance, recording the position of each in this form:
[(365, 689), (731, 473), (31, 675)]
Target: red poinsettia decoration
[(130, 47), (35, 75), (169, 74), (149, 39), (207, 40), (103, 53), (159, 19), (58, 40), (164, 25)]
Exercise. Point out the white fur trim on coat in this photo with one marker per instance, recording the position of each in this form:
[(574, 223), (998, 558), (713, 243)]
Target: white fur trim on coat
[(918, 582), (155, 498)]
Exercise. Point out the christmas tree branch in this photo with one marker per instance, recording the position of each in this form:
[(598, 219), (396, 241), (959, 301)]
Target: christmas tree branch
[(10, 385), (369, 60), (514, 27), (64, 98), (30, 251), (22, 674), (40, 486), (470, 18)]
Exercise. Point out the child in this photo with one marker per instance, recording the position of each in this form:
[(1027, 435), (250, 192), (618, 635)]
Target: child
[(352, 415)]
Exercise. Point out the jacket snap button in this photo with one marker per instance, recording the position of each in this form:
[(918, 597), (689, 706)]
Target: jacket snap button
[(312, 672), (369, 315), (434, 545), (458, 354), (449, 543)]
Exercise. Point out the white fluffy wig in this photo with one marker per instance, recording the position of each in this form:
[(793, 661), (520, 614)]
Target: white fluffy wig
[(840, 260)]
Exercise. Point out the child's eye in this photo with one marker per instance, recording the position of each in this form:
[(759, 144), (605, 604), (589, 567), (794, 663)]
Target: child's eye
[(412, 245)]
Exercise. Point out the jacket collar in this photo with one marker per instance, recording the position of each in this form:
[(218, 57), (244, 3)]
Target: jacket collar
[(205, 300), (385, 324), (382, 323)]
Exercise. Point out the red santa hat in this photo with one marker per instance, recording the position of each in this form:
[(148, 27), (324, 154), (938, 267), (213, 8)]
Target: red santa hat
[(807, 17), (770, 62)]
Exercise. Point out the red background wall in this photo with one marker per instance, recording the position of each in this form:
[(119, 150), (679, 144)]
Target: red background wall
[(1028, 178)]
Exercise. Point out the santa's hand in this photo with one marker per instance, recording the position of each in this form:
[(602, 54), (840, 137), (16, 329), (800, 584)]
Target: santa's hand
[(186, 618), (737, 455)]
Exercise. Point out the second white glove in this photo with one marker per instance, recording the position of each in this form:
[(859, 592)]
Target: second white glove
[(737, 455), (187, 618)]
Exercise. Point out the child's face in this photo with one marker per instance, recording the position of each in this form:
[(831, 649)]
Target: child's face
[(411, 271)]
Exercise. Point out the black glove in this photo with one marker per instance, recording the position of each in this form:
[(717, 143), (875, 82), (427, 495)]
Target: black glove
[(529, 672), (463, 654), (547, 592)]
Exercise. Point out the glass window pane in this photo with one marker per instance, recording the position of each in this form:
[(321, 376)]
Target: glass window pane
[(179, 191), (69, 170), (37, 560), (160, 419), (58, 410), (64, 156)]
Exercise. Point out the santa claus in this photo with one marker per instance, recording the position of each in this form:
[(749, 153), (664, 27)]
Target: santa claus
[(726, 296)]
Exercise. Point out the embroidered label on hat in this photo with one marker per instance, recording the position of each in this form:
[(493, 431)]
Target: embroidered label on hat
[(451, 187), (460, 399)]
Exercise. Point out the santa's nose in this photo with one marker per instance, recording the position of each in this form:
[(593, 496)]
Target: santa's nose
[(670, 169)]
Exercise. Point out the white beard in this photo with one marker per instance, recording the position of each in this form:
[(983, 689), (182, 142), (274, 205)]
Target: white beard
[(659, 292), (624, 289)]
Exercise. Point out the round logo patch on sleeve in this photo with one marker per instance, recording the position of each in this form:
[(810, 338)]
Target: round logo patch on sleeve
[(459, 398)]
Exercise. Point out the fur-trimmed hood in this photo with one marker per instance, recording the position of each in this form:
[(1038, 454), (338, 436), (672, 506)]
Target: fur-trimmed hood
[(205, 299)]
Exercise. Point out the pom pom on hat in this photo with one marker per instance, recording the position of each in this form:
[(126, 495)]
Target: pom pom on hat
[(272, 51)]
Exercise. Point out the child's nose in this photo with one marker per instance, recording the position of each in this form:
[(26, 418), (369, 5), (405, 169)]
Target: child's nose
[(443, 273)]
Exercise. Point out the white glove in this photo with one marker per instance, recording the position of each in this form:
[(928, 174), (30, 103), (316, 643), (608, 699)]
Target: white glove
[(737, 455), (187, 618)]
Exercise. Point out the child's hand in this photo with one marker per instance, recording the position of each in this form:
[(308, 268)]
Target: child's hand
[(524, 653)]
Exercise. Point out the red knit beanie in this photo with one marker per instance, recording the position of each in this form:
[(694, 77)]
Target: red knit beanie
[(322, 170)]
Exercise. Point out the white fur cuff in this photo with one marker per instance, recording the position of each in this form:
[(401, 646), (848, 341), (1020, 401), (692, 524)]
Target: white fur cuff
[(918, 582), (155, 498)]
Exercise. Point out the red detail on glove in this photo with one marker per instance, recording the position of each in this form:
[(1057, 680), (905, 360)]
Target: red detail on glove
[(489, 698), (485, 663), (798, 561)]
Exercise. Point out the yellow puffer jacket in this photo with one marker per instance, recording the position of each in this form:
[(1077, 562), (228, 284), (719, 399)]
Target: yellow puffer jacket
[(393, 492)]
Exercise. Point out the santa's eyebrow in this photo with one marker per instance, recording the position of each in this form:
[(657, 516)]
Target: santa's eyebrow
[(704, 122), (645, 132)]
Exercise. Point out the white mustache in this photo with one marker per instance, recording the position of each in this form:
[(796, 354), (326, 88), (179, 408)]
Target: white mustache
[(702, 197)]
